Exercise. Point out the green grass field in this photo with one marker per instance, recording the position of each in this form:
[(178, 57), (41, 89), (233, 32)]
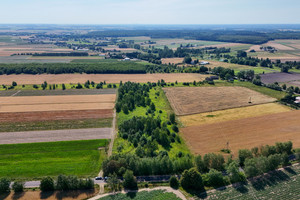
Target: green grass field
[(281, 185), (144, 195), (161, 103), (37, 160), (55, 125)]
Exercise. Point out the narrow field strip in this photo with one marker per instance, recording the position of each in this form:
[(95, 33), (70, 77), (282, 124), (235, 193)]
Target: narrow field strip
[(54, 135), (233, 114), (55, 115)]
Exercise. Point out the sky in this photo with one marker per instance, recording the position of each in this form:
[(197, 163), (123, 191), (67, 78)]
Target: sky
[(149, 11)]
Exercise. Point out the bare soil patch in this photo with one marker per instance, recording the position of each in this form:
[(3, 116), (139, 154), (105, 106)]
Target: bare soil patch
[(279, 77), (244, 133), (186, 101), (54, 135), (55, 115), (109, 78)]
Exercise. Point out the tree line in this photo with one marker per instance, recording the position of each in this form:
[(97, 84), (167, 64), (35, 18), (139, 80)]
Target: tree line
[(64, 68)]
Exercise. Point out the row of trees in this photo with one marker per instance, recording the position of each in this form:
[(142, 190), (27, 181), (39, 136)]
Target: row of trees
[(65, 183), (64, 68)]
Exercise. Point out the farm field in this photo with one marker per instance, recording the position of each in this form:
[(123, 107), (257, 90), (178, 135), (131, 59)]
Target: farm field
[(244, 133), (55, 115), (53, 103), (205, 99), (34, 125), (278, 185), (176, 42), (109, 78), (280, 77), (237, 67), (54, 135), (171, 60), (287, 50), (232, 114), (65, 195), (143, 195), (37, 160), (56, 92)]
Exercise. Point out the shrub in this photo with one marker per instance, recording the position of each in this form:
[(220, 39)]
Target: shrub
[(174, 182), (18, 186), (129, 180), (4, 185), (214, 178), (191, 179), (47, 184)]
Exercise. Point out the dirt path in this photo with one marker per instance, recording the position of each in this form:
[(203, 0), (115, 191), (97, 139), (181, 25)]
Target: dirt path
[(112, 137), (54, 135), (166, 189)]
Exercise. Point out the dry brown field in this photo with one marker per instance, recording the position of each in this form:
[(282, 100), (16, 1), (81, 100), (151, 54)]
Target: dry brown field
[(171, 60), (63, 195), (226, 45), (192, 100), (109, 78), (56, 103), (55, 115), (244, 133), (233, 114)]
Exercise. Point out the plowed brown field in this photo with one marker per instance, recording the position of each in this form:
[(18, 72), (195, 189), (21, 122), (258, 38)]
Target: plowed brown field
[(185, 101), (244, 133), (109, 78), (55, 115)]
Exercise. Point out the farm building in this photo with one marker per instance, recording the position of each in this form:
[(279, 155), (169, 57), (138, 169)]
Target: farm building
[(204, 63), (297, 100)]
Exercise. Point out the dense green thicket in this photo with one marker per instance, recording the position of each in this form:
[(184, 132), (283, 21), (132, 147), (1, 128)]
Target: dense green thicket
[(66, 183), (64, 68)]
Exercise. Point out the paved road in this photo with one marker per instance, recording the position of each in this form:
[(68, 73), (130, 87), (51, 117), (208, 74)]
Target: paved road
[(54, 135)]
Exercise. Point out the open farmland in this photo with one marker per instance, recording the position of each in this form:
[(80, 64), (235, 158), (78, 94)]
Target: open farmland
[(109, 78), (54, 135), (53, 103), (36, 160), (287, 50), (279, 77), (55, 115), (237, 67), (233, 114), (244, 133), (171, 60), (277, 185), (55, 92), (186, 101)]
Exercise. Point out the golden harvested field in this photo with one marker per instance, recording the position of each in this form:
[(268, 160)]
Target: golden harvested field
[(171, 60), (56, 103), (244, 133), (233, 114), (109, 78), (192, 100)]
